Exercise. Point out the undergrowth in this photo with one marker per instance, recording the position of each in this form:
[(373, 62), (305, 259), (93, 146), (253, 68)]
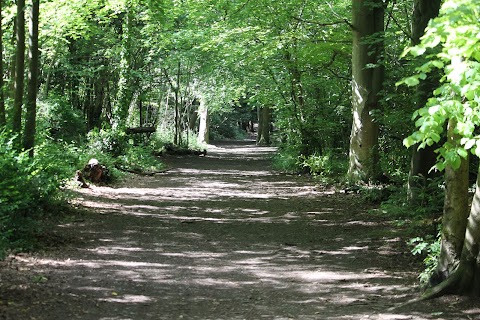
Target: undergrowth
[(29, 192), (161, 139), (32, 189), (420, 217), (427, 247), (328, 168)]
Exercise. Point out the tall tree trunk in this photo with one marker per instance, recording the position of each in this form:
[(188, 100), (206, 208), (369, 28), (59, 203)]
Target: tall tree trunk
[(178, 122), (470, 259), (125, 91), (263, 137), (367, 82), (95, 104), (203, 130), (33, 71), (465, 279), (469, 268), (12, 66), (3, 118), (71, 83), (455, 214), (140, 110), (193, 117), (424, 159), (19, 72)]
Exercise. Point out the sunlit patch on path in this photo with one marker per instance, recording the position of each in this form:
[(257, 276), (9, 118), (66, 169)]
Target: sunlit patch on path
[(225, 237)]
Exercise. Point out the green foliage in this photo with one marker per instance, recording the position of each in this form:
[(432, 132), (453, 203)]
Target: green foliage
[(28, 189), (373, 193), (328, 168), (112, 142), (139, 158), (118, 151), (287, 159), (58, 120), (165, 137), (425, 210), (225, 127), (429, 248), (454, 34), (421, 216)]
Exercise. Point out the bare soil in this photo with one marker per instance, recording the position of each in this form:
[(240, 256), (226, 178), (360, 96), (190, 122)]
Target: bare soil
[(221, 237)]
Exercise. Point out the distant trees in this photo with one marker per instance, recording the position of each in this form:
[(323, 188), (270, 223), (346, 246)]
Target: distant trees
[(24, 139), (19, 71), (264, 119), (33, 72)]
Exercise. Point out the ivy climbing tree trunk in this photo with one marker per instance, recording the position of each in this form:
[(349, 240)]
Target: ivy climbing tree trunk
[(33, 71), (422, 159), (367, 82), (19, 72)]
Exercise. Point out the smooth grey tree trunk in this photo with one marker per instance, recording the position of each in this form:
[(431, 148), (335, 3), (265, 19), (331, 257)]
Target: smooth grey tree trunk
[(367, 82), (203, 130)]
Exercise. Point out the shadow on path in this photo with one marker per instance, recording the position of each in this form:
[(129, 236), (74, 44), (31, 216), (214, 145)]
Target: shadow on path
[(225, 237)]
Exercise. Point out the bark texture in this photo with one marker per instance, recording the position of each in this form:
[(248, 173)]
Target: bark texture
[(203, 130), (19, 71), (455, 214), (465, 279), (470, 263), (3, 118), (264, 115), (33, 71), (367, 82)]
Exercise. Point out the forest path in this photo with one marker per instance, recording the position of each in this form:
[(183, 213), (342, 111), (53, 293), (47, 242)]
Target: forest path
[(221, 237)]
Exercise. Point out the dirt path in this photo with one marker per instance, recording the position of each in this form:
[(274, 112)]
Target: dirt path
[(221, 237)]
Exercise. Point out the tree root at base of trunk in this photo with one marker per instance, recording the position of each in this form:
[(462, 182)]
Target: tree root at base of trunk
[(444, 287)]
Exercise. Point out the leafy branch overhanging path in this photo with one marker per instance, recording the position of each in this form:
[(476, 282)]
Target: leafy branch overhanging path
[(222, 237)]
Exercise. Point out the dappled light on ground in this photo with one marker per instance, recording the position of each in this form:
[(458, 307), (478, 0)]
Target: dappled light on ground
[(224, 237)]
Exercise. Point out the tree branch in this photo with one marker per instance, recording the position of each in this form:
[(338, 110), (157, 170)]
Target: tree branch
[(325, 24), (405, 32), (329, 63), (241, 7), (165, 73)]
